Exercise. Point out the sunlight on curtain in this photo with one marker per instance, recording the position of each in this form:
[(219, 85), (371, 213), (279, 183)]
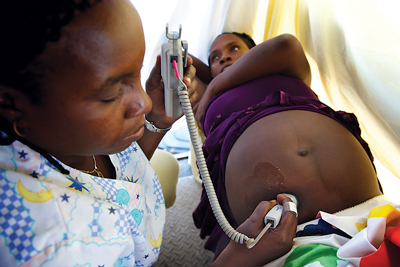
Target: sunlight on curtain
[(352, 47)]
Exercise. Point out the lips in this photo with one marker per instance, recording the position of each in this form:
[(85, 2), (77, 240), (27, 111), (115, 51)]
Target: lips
[(135, 135)]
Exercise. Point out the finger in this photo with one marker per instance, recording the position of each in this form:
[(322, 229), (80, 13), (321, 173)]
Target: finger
[(193, 87), (287, 203), (189, 75), (157, 67), (195, 109), (199, 119), (155, 74), (288, 223), (262, 209), (189, 61), (194, 98), (255, 223)]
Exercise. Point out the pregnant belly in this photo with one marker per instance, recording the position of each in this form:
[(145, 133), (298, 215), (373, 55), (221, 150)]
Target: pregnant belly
[(304, 153)]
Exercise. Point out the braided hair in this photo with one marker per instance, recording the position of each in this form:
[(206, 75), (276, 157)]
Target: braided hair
[(245, 38), (25, 28)]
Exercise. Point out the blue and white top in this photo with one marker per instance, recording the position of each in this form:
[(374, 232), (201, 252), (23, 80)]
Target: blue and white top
[(51, 219)]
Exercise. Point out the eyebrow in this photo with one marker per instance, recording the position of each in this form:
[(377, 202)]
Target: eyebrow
[(229, 44)]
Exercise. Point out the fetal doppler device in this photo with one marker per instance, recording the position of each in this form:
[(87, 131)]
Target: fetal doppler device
[(173, 61)]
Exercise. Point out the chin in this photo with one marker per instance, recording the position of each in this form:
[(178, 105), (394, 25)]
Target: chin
[(115, 149), (126, 142)]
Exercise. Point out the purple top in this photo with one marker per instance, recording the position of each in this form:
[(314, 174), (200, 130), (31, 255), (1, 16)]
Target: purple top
[(223, 105), (228, 115)]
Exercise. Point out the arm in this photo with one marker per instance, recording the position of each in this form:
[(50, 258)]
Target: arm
[(203, 76), (203, 72), (280, 55), (274, 244), (155, 89)]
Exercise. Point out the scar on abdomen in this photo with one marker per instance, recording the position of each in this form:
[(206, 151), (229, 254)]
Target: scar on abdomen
[(265, 177)]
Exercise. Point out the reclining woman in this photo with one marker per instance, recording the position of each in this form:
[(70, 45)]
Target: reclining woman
[(268, 133)]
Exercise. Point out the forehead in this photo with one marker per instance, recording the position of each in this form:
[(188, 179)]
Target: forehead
[(105, 41), (224, 40), (107, 25)]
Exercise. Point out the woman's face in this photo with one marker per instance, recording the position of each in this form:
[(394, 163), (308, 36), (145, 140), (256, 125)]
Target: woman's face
[(93, 101), (224, 51)]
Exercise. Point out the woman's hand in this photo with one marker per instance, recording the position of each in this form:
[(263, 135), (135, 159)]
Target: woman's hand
[(274, 244), (200, 107), (155, 89)]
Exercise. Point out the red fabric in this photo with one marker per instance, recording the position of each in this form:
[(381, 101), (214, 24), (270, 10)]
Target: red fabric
[(388, 253), (394, 235)]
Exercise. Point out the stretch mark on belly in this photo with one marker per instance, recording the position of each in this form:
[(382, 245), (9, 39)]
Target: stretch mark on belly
[(266, 177)]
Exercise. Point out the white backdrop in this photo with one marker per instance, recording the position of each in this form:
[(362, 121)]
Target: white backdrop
[(352, 46)]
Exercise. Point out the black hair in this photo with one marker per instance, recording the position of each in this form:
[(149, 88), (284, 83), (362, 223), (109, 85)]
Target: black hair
[(26, 26), (243, 36)]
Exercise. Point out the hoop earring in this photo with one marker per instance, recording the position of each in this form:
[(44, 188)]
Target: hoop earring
[(16, 129)]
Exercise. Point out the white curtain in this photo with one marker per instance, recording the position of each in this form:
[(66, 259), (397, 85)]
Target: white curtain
[(352, 46)]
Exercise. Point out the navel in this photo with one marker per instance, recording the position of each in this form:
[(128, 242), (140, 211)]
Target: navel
[(302, 152)]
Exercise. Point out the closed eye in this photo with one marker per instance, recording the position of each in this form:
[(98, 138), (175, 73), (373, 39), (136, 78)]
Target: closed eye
[(114, 98)]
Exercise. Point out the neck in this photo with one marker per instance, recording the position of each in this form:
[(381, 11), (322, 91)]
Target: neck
[(78, 162), (86, 164)]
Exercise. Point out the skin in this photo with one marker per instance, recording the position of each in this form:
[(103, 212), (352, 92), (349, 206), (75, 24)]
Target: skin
[(93, 102)]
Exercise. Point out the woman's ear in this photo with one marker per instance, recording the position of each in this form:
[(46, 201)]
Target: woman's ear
[(10, 100)]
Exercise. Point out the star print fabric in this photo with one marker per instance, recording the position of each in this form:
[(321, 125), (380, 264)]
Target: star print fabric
[(51, 219)]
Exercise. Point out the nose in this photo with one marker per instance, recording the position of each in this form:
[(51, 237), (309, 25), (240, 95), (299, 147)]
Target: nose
[(139, 103), (226, 56)]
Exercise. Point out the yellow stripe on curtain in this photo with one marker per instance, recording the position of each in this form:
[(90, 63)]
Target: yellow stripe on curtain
[(282, 17)]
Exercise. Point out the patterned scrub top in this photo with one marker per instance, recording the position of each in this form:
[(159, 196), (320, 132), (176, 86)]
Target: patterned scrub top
[(51, 219)]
